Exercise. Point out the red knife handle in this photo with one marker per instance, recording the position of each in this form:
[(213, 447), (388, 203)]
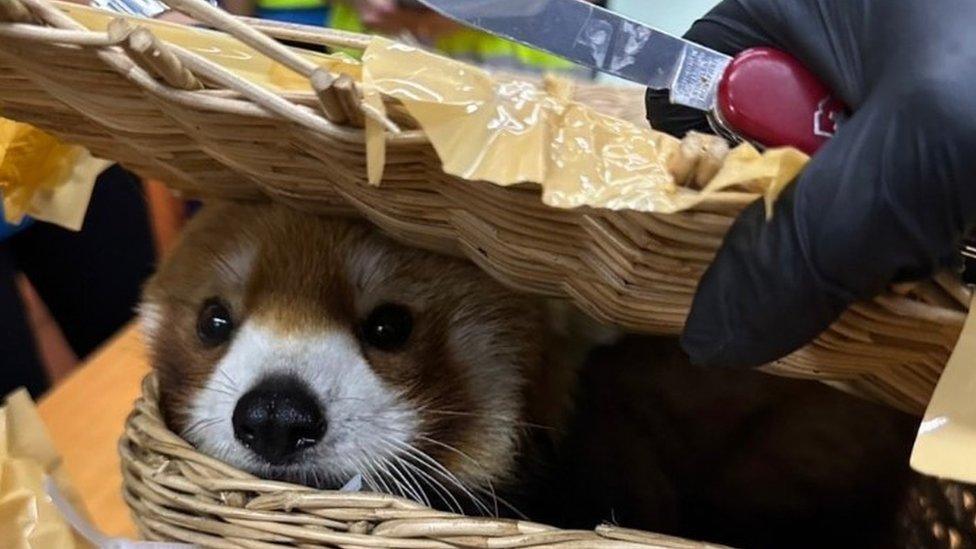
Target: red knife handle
[(769, 98)]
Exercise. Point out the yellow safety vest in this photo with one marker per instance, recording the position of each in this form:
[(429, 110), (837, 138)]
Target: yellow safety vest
[(469, 44), (290, 4)]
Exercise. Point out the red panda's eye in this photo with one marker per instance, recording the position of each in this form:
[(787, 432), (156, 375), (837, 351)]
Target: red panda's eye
[(214, 325), (388, 327)]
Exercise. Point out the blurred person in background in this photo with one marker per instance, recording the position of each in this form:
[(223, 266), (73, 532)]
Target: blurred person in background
[(314, 13), (396, 18), (410, 20), (89, 280)]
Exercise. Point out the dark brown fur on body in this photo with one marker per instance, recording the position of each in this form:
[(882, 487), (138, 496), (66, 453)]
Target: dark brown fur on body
[(735, 457), (643, 439)]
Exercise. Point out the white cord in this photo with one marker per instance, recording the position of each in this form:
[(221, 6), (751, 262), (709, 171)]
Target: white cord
[(90, 533)]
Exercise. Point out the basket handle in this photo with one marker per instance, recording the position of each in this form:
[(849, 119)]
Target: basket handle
[(223, 21), (246, 33), (347, 95)]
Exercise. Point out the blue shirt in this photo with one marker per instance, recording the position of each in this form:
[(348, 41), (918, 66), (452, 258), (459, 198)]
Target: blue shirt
[(313, 17), (7, 230)]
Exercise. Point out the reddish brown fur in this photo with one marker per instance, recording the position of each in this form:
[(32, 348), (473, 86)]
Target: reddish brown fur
[(301, 281), (654, 442)]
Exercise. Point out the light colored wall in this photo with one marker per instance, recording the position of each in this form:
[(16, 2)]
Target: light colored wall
[(672, 16)]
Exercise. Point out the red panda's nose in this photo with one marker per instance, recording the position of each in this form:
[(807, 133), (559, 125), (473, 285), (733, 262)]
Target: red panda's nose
[(278, 418)]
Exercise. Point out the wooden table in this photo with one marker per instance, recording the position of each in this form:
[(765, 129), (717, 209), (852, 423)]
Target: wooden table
[(85, 415)]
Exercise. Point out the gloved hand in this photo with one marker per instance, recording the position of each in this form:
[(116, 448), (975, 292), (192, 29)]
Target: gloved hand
[(886, 200)]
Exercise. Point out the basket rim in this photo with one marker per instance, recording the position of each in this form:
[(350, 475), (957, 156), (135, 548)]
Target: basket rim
[(161, 471), (255, 100)]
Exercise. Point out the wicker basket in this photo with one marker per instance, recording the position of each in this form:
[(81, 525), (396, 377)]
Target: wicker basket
[(233, 139), (176, 493)]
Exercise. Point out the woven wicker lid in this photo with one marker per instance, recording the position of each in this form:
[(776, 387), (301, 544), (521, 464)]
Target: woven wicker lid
[(234, 140)]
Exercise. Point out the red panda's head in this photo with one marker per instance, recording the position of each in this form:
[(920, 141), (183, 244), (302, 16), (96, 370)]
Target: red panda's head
[(313, 349)]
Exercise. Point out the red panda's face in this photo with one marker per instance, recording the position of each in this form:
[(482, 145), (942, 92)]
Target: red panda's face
[(312, 350)]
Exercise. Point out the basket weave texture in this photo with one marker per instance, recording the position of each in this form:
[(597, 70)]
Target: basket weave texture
[(207, 132), (176, 493)]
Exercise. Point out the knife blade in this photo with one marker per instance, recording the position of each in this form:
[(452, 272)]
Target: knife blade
[(761, 95)]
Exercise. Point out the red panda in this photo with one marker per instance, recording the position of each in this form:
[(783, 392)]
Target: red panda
[(315, 350)]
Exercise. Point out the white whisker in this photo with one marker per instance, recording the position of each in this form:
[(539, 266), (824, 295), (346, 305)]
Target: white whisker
[(448, 476), (419, 494), (413, 480), (381, 464), (220, 390), (408, 491), (457, 481), (200, 425), (379, 478), (498, 499), (506, 420), (367, 480), (439, 489)]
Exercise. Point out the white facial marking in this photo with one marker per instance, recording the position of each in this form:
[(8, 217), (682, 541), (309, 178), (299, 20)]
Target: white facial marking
[(150, 319), (364, 414)]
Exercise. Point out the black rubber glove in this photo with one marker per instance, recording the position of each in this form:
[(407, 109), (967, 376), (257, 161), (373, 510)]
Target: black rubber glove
[(887, 199)]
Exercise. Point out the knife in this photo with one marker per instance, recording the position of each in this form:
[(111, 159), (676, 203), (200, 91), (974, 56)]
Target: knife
[(761, 95)]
